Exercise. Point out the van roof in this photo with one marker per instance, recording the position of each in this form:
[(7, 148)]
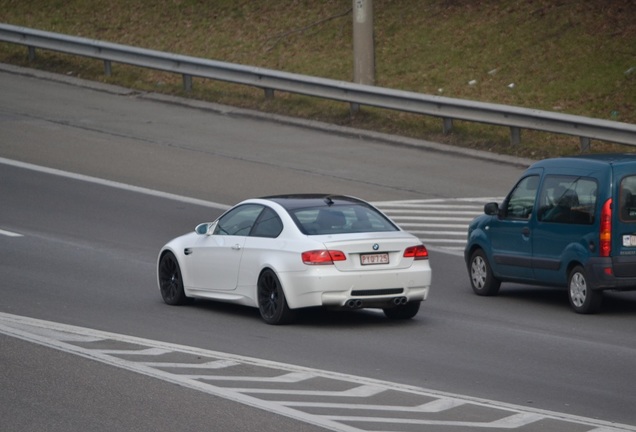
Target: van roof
[(579, 161)]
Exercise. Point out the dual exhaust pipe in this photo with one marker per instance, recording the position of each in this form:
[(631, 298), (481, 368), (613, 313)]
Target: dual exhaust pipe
[(354, 304), (398, 301), (357, 304)]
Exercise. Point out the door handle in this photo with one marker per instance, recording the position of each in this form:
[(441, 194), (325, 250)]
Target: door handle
[(525, 231), (236, 247)]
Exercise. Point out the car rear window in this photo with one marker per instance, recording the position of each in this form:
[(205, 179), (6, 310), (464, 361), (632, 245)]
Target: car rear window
[(341, 219)]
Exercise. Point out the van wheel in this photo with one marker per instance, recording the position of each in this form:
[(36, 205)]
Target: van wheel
[(481, 277), (582, 298)]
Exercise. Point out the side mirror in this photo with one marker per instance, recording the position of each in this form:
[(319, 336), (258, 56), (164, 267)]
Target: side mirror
[(491, 209), (204, 229)]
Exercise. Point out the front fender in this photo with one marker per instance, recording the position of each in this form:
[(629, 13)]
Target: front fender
[(477, 239)]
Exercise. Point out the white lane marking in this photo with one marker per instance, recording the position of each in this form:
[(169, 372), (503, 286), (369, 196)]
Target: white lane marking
[(216, 364), (432, 218), (440, 223), (436, 406), (19, 327), (361, 391), (142, 352), (429, 201), (511, 422), (10, 234), (113, 184), (509, 416), (291, 377)]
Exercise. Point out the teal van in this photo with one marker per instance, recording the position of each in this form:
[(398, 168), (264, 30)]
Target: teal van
[(568, 222)]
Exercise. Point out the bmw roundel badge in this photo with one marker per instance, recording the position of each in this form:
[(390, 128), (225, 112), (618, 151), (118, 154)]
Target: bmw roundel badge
[(376, 246)]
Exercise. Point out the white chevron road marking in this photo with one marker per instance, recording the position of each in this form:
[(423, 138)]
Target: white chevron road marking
[(309, 395)]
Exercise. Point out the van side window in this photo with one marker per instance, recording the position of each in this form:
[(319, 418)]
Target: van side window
[(568, 199), (627, 199), (520, 202)]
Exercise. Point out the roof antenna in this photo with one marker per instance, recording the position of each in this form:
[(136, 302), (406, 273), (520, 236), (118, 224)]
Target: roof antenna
[(328, 201)]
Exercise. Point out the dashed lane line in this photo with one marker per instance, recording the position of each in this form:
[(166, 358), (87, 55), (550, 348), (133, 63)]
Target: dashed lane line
[(337, 402), (10, 234)]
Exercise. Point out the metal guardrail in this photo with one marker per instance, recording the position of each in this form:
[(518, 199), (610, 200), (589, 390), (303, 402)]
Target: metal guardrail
[(448, 109)]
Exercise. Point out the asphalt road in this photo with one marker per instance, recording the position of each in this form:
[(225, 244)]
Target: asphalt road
[(87, 250)]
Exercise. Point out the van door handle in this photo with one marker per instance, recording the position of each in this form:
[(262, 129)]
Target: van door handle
[(525, 232), (236, 247)]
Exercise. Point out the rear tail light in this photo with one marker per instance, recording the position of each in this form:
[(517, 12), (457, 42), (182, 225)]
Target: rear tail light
[(322, 256), (606, 229), (418, 252)]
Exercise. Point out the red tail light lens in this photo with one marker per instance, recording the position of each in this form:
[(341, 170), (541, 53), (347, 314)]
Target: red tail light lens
[(606, 229), (418, 252), (323, 256)]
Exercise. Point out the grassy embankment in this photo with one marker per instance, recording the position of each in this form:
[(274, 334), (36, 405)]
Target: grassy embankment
[(576, 57)]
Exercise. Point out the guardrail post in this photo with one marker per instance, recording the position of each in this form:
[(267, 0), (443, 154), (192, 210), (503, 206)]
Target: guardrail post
[(187, 83), (515, 136), (585, 144), (354, 108), (31, 53), (269, 93), (447, 125), (108, 70)]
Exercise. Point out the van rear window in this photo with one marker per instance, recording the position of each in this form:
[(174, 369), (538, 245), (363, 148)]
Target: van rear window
[(627, 199)]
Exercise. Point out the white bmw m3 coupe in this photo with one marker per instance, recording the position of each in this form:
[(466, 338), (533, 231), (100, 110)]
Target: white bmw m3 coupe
[(288, 252)]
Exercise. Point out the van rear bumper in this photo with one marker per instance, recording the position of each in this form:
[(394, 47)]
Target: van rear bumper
[(617, 273)]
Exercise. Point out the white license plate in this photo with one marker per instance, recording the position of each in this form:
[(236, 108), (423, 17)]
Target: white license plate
[(629, 240), (377, 258)]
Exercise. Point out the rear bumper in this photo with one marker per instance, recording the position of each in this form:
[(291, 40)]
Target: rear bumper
[(612, 273), (327, 286)]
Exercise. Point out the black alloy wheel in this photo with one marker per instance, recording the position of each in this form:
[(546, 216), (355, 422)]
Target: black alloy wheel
[(170, 281), (271, 300)]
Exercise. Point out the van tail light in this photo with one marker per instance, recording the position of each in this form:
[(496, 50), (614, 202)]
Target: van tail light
[(606, 229), (418, 252), (322, 257)]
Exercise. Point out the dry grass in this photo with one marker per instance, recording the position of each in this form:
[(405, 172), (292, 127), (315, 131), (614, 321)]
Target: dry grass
[(568, 56)]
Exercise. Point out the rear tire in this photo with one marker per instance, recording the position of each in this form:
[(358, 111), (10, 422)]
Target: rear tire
[(583, 299), (403, 312), (271, 300), (170, 280), (481, 278)]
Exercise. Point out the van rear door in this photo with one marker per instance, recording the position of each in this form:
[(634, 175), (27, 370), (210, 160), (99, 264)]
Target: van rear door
[(624, 222)]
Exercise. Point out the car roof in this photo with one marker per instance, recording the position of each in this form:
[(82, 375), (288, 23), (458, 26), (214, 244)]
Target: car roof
[(296, 201)]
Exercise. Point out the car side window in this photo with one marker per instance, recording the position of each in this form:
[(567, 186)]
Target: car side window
[(268, 224), (627, 197), (238, 221), (521, 199), (568, 199)]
